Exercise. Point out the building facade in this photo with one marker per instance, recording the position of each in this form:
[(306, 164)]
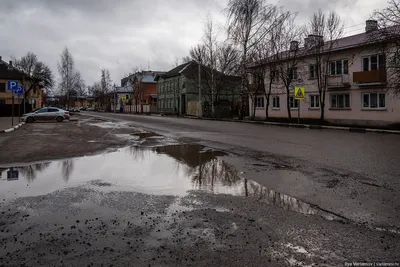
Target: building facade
[(178, 90), (34, 99), (356, 91)]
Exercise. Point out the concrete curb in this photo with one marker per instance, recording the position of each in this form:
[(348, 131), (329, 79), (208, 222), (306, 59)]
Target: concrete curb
[(13, 128), (306, 126)]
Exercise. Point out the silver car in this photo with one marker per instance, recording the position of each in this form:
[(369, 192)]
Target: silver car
[(47, 114)]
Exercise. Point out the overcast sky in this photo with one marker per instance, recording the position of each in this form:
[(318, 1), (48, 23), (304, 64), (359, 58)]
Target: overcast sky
[(123, 34)]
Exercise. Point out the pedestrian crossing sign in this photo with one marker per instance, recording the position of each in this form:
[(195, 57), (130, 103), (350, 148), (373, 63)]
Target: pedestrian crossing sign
[(299, 93)]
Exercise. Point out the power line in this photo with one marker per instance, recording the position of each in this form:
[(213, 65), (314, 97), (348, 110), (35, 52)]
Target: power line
[(355, 25)]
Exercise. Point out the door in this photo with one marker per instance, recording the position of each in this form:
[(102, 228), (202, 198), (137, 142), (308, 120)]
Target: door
[(52, 114), (40, 115), (183, 104)]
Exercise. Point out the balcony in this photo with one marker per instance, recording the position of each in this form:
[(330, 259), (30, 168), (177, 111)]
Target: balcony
[(373, 77), (339, 81)]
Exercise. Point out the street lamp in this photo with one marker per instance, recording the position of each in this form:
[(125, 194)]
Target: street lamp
[(115, 103), (10, 68), (199, 87)]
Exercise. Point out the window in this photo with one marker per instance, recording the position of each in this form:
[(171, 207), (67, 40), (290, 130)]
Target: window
[(275, 102), (2, 87), (340, 101), (339, 67), (2, 102), (52, 110), (313, 71), (250, 77), (259, 101), (293, 73), (293, 103), (373, 100), (314, 101), (43, 110), (374, 62), (274, 76), (127, 97)]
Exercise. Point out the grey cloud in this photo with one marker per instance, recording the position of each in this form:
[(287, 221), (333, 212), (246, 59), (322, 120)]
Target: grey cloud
[(122, 34)]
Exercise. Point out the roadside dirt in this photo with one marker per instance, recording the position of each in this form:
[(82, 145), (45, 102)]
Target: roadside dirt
[(78, 137)]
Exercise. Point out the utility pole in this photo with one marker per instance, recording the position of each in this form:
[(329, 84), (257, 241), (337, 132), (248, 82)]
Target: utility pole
[(200, 106), (23, 84), (12, 111), (10, 68), (115, 102)]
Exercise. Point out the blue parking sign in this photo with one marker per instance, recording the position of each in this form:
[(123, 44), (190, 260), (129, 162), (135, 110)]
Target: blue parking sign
[(20, 90), (12, 85)]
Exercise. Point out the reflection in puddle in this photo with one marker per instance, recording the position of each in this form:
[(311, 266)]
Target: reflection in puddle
[(166, 170)]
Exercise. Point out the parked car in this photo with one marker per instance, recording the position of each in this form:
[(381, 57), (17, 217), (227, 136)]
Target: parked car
[(47, 114), (90, 109), (82, 108)]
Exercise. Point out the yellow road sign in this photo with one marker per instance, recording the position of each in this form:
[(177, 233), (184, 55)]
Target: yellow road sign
[(299, 93), (123, 98)]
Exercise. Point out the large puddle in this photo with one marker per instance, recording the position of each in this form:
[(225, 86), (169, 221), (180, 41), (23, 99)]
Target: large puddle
[(165, 170)]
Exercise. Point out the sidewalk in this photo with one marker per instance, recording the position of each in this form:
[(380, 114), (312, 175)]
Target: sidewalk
[(6, 124), (306, 126)]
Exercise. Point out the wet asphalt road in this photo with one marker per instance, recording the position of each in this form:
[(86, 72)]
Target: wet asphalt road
[(371, 155), (158, 202), (323, 167)]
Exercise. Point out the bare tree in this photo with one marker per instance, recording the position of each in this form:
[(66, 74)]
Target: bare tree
[(248, 23), (198, 53), (211, 48), (137, 87), (37, 72), (70, 78), (263, 57), (217, 81), (81, 89), (186, 59), (106, 87), (389, 32), (287, 54), (323, 33)]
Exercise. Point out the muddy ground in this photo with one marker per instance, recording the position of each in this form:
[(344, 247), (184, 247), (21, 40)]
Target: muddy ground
[(78, 137), (106, 193)]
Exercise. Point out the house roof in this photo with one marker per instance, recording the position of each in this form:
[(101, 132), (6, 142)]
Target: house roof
[(177, 70), (190, 69), (125, 89), (348, 42), (5, 73), (148, 77)]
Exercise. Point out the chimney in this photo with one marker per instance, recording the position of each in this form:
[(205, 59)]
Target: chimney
[(307, 42), (371, 25), (294, 45), (313, 40)]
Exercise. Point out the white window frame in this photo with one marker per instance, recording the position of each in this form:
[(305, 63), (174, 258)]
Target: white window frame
[(344, 102), (293, 103), (260, 101), (369, 62), (294, 73), (275, 75), (378, 106), (276, 100), (315, 101), (343, 68), (250, 77)]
